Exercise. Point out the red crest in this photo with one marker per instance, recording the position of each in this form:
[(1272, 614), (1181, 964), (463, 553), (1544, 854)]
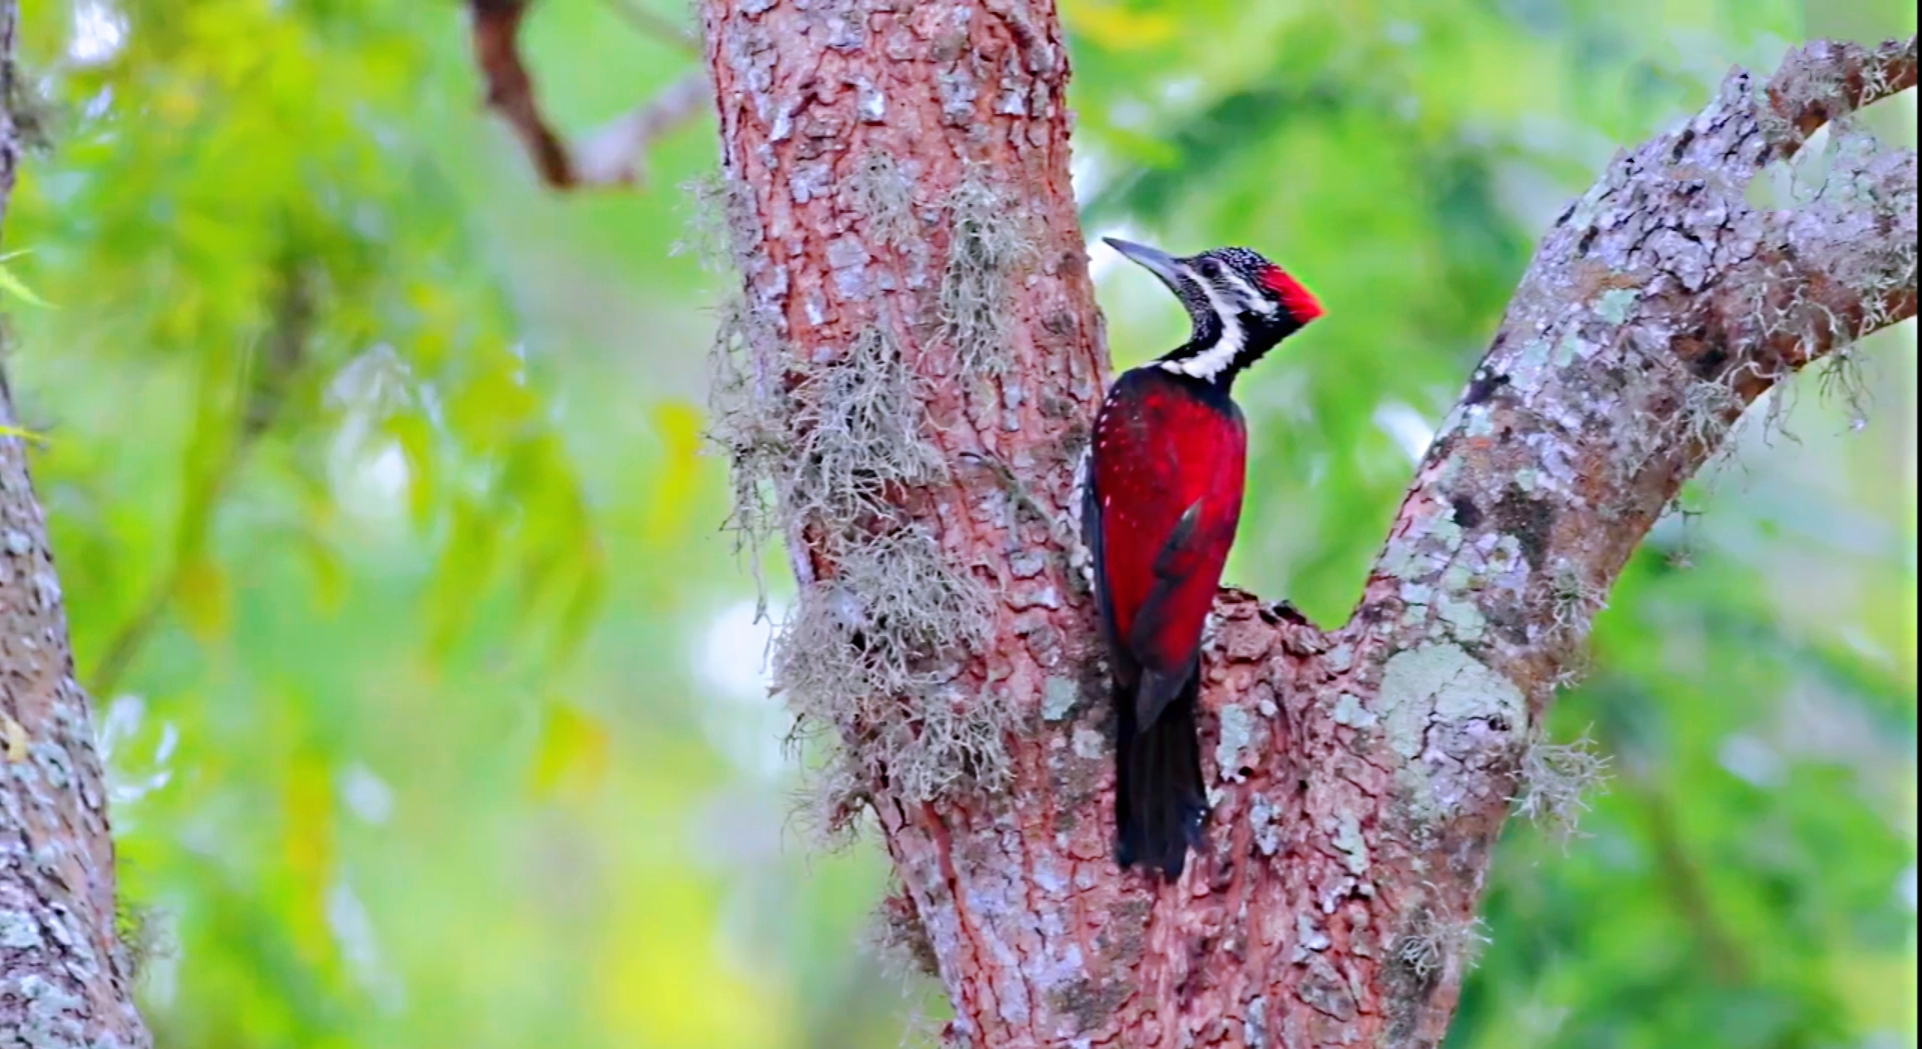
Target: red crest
[(1297, 300)]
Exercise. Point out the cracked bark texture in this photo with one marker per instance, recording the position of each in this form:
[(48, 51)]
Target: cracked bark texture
[(65, 979), (1361, 775)]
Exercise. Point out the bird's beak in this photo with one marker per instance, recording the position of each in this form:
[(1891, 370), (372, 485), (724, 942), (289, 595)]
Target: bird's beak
[(1157, 262)]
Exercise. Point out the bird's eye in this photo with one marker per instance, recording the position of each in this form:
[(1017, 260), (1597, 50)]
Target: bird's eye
[(1210, 268)]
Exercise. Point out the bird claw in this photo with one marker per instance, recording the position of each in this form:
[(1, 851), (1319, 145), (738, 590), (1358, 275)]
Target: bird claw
[(1299, 635), (1284, 611)]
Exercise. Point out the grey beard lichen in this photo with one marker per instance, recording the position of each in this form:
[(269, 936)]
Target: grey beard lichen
[(859, 442), (1431, 940), (722, 228), (897, 938), (1781, 317), (1554, 785), (1706, 413), (875, 655), (834, 795), (747, 410), (882, 194), (1573, 603), (990, 242), (147, 935), (747, 422), (1847, 173), (827, 449), (1842, 379)]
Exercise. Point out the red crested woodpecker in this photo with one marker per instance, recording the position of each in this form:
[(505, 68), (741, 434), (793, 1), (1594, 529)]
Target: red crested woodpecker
[(1161, 498)]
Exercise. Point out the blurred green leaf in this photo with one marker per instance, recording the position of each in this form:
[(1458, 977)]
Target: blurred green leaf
[(11, 283)]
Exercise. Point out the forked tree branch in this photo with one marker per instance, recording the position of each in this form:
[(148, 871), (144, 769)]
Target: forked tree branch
[(1657, 308), (915, 304), (613, 156)]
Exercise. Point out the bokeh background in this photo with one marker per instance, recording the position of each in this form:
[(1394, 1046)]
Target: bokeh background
[(432, 692)]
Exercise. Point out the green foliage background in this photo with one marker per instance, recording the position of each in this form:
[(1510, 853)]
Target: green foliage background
[(427, 681)]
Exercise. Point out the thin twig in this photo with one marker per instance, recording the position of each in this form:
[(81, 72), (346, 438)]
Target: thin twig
[(614, 154), (655, 26), (609, 157)]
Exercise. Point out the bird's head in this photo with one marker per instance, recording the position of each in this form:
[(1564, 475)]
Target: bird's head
[(1241, 305)]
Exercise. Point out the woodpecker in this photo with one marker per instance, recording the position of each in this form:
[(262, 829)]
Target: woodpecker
[(1161, 496)]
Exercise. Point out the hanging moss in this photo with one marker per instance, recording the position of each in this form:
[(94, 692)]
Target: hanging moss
[(1556, 781), (830, 447), (990, 242)]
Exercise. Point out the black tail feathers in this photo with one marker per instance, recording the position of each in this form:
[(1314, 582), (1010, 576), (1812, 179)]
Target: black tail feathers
[(1160, 801)]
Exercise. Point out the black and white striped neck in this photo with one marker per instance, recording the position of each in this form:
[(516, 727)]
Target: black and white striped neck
[(1223, 345)]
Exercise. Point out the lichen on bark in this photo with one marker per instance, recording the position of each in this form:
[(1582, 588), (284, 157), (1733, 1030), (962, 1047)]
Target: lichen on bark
[(1360, 776), (891, 274)]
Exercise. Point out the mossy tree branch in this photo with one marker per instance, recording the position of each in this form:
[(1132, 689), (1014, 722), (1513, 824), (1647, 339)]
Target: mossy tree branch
[(896, 198), (1659, 307)]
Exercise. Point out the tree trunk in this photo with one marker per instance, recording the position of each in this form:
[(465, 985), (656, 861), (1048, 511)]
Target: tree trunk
[(905, 384), (65, 979)]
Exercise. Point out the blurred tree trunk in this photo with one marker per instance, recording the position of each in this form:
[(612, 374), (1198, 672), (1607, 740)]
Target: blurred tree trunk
[(911, 370), (65, 978)]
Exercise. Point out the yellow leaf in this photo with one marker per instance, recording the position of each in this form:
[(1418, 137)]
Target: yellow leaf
[(24, 434), (1875, 988), (204, 597), (416, 437), (572, 758), (493, 406), (662, 983), (177, 103), (308, 811), (330, 579), (1115, 27), (466, 565), (678, 423)]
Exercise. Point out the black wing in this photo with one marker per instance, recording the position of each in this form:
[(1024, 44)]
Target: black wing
[(1120, 660), (1173, 565)]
